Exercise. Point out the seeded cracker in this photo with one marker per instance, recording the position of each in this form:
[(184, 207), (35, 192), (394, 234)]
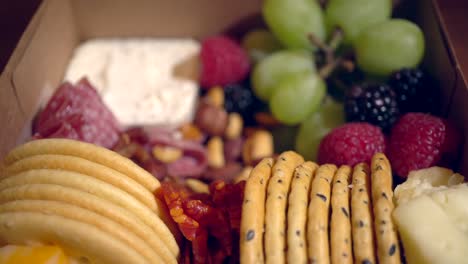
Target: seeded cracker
[(253, 213), (388, 250), (340, 230), (297, 212), (317, 225), (275, 209), (361, 216)]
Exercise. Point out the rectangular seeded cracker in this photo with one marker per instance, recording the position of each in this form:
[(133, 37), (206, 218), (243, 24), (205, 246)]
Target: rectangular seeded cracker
[(318, 215), (340, 230), (253, 213), (297, 212), (361, 216), (275, 209), (388, 250)]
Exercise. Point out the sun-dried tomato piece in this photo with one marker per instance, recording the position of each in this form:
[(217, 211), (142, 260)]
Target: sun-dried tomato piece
[(210, 221)]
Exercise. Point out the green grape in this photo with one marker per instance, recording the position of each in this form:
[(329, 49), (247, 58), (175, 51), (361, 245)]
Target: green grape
[(259, 44), (316, 126), (284, 137), (292, 20), (296, 96), (273, 68), (389, 46), (356, 15)]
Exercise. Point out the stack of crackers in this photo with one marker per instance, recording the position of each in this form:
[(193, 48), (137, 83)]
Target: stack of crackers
[(97, 205), (295, 211)]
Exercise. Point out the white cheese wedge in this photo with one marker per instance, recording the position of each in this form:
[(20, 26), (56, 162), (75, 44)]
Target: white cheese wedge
[(429, 235), (135, 78), (432, 216)]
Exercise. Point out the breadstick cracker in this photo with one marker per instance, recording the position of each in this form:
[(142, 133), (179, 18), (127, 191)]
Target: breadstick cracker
[(340, 230), (388, 250), (318, 211), (275, 209), (297, 212), (253, 213), (361, 216)]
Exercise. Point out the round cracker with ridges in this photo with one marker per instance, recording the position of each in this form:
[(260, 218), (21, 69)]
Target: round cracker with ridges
[(297, 212), (361, 216), (157, 236), (275, 208), (87, 167), (87, 151), (253, 213), (318, 215), (85, 216), (388, 249), (340, 224), (93, 186), (80, 240)]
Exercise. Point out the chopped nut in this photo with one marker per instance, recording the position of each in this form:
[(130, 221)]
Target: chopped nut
[(259, 145), (215, 152), (197, 186), (191, 132), (234, 126), (167, 154), (211, 119), (215, 96)]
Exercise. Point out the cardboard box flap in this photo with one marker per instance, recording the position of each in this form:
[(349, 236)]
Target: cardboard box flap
[(147, 18), (41, 67)]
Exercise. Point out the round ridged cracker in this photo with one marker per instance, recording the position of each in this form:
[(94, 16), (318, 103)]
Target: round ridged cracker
[(87, 167), (95, 187), (79, 214), (157, 236), (318, 215), (253, 213), (388, 249), (275, 208), (361, 216), (340, 224), (79, 240), (87, 151), (297, 212)]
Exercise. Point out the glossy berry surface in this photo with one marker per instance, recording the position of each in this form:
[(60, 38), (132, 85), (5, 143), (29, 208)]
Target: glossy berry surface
[(420, 141), (415, 90), (223, 62), (240, 98), (351, 144), (372, 103)]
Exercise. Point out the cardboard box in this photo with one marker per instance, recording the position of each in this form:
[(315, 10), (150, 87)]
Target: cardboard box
[(36, 66)]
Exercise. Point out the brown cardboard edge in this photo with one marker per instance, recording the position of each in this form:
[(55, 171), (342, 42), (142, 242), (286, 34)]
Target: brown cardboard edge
[(12, 115), (453, 20)]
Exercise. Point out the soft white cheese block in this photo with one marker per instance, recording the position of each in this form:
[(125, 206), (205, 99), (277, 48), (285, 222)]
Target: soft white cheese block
[(135, 79), (432, 216)]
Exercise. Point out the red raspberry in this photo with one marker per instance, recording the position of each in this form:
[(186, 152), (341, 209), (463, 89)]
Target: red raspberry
[(420, 141), (223, 62), (351, 143)]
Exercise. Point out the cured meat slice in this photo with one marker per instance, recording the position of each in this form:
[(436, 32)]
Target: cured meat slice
[(78, 112)]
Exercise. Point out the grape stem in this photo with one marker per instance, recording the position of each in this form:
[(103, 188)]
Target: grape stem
[(323, 3), (329, 50)]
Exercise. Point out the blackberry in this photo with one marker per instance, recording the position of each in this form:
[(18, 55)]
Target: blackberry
[(415, 91), (372, 103), (240, 98)]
